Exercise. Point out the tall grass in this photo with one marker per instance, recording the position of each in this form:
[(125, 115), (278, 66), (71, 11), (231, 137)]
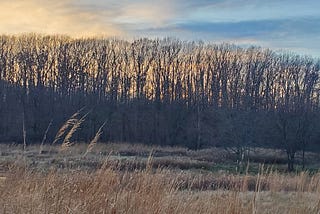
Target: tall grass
[(94, 141), (121, 186), (68, 129), (45, 137), (112, 190), (75, 126), (63, 129)]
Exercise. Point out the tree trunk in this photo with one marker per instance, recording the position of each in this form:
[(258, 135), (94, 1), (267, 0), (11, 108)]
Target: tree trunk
[(290, 156), (198, 129), (303, 158)]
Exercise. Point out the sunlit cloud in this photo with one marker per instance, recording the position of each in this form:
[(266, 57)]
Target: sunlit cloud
[(53, 17), (287, 24), (147, 13)]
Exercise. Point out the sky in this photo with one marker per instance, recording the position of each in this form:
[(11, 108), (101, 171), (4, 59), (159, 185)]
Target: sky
[(287, 25)]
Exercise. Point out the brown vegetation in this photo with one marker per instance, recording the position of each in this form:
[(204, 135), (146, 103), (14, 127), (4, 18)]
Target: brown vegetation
[(66, 183), (109, 190)]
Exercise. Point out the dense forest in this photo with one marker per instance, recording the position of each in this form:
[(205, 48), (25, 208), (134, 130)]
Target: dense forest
[(159, 91)]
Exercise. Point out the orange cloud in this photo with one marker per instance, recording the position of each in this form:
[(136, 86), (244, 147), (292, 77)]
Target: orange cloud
[(53, 17)]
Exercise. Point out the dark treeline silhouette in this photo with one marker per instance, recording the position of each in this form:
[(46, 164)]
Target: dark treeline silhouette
[(162, 91)]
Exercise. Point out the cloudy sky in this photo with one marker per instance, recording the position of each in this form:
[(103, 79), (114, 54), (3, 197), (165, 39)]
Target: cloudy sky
[(291, 25)]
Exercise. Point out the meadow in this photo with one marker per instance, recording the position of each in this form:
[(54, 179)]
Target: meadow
[(188, 126), (135, 178)]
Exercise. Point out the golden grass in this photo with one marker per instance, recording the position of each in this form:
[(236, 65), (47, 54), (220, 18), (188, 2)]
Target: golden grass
[(103, 181), (112, 190), (66, 144), (69, 123)]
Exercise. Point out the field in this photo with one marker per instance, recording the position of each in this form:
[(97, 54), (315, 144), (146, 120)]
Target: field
[(134, 178)]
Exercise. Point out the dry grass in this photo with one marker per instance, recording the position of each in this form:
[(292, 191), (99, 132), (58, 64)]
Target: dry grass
[(123, 178), (63, 129), (66, 144), (111, 190), (94, 141)]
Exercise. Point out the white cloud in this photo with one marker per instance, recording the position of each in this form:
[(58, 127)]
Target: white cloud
[(52, 17), (135, 18)]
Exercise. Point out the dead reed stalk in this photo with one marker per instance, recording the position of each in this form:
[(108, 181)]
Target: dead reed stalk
[(66, 142), (45, 137), (94, 141), (70, 122)]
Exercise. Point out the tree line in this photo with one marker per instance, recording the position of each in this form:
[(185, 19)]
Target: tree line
[(160, 91)]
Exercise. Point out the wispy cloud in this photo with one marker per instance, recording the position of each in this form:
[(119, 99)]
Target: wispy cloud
[(46, 16), (147, 13), (286, 24)]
